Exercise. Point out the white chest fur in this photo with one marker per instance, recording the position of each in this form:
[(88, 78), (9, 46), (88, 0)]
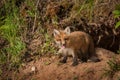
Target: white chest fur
[(66, 51)]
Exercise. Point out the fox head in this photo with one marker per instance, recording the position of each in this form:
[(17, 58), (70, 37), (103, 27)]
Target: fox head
[(61, 37)]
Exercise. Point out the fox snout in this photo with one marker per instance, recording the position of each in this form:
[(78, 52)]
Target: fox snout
[(63, 43), (60, 44)]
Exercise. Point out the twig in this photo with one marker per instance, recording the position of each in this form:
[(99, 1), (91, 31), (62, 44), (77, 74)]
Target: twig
[(99, 38), (35, 17), (113, 41)]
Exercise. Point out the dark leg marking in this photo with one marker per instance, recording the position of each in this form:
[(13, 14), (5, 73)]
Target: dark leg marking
[(64, 59)]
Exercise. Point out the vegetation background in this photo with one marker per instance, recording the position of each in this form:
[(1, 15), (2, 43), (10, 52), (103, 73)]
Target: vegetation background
[(26, 27)]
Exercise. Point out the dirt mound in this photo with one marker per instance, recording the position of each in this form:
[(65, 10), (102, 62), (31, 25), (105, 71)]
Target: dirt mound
[(49, 68)]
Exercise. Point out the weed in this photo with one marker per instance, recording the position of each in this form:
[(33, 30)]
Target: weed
[(87, 5), (114, 66), (118, 51), (11, 54), (47, 45), (47, 63), (116, 13)]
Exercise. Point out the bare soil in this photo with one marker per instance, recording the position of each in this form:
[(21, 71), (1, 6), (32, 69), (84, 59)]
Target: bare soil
[(49, 68)]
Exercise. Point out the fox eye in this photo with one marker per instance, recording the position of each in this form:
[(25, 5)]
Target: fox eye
[(66, 38), (58, 39)]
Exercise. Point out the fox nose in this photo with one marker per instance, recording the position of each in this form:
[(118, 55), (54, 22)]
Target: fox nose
[(63, 43)]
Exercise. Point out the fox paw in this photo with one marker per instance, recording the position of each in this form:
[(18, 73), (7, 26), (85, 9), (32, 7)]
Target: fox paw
[(75, 64), (62, 61)]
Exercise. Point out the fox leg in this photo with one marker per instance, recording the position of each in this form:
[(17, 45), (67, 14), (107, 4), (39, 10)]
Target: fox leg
[(64, 59), (75, 59), (93, 59)]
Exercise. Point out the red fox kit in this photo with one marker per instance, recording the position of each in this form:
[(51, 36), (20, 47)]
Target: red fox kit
[(78, 44)]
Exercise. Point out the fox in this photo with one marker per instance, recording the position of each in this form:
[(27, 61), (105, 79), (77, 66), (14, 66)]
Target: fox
[(78, 44)]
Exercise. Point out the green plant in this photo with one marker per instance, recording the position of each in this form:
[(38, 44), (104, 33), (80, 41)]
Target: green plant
[(47, 45), (9, 30), (116, 13), (87, 5), (47, 63), (113, 66), (118, 51)]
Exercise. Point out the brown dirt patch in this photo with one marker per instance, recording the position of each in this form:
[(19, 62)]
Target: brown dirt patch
[(48, 68)]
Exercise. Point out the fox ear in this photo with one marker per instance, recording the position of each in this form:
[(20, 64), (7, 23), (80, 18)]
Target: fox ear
[(67, 30), (55, 32)]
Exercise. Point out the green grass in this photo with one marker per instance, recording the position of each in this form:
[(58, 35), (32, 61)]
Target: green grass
[(78, 8), (9, 28), (47, 46), (116, 13), (113, 67)]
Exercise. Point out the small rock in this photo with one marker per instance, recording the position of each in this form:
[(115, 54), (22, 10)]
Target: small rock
[(33, 68)]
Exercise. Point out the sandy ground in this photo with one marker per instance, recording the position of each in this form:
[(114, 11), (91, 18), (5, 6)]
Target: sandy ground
[(49, 68)]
